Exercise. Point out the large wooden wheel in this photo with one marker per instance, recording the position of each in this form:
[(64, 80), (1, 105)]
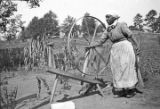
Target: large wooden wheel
[(89, 62)]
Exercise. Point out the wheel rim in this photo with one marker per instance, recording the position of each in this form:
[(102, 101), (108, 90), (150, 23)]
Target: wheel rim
[(88, 41)]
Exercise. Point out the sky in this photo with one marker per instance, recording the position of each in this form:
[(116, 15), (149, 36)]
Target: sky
[(126, 9)]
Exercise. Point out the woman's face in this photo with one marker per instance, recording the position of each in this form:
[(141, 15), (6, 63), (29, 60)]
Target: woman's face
[(110, 20)]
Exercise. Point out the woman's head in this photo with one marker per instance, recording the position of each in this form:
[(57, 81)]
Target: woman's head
[(111, 18)]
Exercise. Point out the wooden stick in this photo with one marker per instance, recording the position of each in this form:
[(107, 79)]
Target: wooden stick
[(99, 89), (54, 89), (140, 79)]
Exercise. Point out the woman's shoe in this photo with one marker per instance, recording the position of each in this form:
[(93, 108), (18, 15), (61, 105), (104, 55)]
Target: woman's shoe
[(118, 92), (130, 93)]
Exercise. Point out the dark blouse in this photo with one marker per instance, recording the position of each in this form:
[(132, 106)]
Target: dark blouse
[(120, 31)]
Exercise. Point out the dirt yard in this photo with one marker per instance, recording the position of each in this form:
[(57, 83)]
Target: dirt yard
[(27, 85)]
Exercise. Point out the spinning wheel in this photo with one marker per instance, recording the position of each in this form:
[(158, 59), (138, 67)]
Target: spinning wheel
[(90, 62)]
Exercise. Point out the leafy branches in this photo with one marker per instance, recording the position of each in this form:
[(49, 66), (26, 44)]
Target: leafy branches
[(67, 24), (138, 21), (7, 9), (14, 26), (33, 3), (150, 21), (45, 26), (88, 25)]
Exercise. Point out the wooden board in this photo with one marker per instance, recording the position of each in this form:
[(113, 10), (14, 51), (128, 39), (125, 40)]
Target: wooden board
[(72, 76)]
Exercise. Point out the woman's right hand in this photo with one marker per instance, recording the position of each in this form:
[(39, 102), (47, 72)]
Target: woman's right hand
[(137, 51)]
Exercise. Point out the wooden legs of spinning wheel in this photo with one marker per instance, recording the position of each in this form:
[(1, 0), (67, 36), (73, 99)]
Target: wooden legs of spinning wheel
[(54, 89), (99, 89), (55, 86)]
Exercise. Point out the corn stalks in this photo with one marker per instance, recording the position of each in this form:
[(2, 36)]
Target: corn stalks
[(36, 54)]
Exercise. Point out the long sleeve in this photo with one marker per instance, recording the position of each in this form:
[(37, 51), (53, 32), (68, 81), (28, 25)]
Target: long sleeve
[(102, 40), (128, 34), (125, 30)]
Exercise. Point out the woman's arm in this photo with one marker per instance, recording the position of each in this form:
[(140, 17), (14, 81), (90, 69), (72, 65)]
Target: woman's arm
[(102, 40)]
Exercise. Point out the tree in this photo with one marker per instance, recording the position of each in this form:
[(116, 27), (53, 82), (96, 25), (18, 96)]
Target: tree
[(45, 26), (150, 19), (14, 26), (67, 24), (138, 22), (88, 25), (49, 24), (7, 9), (31, 30), (158, 24), (33, 3)]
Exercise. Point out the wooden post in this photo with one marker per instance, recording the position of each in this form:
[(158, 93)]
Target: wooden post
[(50, 56), (53, 59), (140, 79), (54, 89)]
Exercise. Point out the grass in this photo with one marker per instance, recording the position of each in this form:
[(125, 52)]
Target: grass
[(150, 54)]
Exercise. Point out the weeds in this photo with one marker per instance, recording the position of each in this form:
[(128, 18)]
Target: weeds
[(43, 81), (8, 97)]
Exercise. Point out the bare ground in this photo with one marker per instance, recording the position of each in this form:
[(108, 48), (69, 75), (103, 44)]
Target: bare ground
[(27, 85)]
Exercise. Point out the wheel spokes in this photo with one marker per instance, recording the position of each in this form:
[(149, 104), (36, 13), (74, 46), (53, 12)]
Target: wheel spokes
[(88, 61)]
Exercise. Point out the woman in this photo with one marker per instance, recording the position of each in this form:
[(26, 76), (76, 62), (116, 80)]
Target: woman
[(122, 57)]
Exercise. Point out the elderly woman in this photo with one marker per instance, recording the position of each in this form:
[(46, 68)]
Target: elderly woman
[(122, 57)]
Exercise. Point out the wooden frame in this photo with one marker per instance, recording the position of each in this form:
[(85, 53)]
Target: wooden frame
[(93, 82)]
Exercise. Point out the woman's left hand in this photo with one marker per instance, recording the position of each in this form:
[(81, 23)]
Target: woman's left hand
[(89, 47)]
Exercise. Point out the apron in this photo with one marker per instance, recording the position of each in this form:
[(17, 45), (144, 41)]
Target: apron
[(122, 61)]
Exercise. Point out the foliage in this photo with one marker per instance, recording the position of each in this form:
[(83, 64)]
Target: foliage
[(14, 26), (151, 19), (50, 24), (41, 80), (33, 3), (12, 58), (150, 22), (46, 26), (67, 24), (7, 9), (31, 30), (8, 98), (138, 22), (88, 25), (157, 25), (40, 30)]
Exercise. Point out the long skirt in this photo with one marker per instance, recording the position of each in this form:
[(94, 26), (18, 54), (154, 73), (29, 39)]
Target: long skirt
[(122, 62)]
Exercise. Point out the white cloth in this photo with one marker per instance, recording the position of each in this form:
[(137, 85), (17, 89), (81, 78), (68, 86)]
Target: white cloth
[(63, 105), (122, 62)]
